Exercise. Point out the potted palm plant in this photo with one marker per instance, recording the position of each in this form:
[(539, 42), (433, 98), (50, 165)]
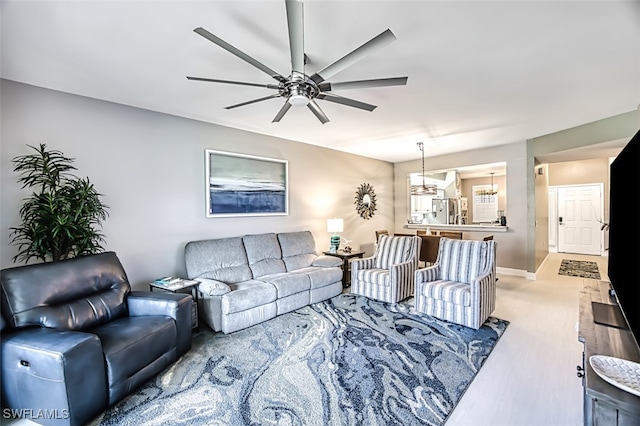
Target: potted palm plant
[(62, 217)]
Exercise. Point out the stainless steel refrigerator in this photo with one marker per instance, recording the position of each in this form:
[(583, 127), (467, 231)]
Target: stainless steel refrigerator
[(444, 210)]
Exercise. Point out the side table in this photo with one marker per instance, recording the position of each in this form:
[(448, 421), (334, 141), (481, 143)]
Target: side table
[(182, 286), (346, 268)]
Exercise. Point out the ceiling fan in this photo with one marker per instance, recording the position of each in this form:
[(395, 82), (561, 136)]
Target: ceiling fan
[(299, 89)]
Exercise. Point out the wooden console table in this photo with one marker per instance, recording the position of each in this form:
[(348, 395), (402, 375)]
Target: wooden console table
[(604, 404)]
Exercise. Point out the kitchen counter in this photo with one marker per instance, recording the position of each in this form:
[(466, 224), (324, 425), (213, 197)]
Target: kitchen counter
[(464, 228)]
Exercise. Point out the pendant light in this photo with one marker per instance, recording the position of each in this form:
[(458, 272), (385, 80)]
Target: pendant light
[(424, 189), (488, 193)]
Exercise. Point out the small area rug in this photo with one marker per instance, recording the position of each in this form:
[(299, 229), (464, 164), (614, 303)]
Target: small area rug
[(345, 361), (579, 268)]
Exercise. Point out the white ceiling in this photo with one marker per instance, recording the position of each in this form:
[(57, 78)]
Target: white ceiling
[(481, 73)]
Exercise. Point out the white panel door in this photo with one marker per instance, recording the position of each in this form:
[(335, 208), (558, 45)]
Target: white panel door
[(579, 208), (553, 219)]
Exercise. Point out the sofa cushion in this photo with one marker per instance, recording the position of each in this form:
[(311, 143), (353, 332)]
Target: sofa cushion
[(380, 277), (264, 254), (298, 249), (449, 291), (393, 250), (73, 294), (462, 260), (223, 259), (319, 276), (246, 295), (288, 283)]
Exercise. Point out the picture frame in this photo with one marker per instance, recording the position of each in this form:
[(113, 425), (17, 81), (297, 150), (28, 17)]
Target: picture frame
[(245, 185)]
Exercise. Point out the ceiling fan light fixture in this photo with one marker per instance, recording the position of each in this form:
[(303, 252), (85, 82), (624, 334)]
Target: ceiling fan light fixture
[(298, 89), (298, 100)]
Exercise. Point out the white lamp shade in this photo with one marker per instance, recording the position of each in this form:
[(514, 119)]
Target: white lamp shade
[(335, 225), (298, 100)]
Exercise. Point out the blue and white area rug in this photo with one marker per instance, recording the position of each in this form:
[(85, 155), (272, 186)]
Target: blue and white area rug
[(345, 361)]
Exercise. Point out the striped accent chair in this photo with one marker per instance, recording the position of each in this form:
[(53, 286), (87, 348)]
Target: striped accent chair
[(388, 274), (461, 286)]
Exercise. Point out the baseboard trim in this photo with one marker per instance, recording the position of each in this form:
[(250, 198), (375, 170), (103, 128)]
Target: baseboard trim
[(511, 271)]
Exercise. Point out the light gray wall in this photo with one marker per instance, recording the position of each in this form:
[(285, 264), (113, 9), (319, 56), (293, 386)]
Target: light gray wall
[(512, 245), (621, 126), (150, 168), (580, 172)]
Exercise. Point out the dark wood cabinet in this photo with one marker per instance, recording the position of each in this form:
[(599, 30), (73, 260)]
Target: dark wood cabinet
[(604, 403), (346, 270)]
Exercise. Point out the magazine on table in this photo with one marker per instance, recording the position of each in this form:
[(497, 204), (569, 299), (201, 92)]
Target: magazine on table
[(173, 283)]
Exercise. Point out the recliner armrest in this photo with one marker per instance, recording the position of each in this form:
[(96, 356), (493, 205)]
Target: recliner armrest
[(327, 261), (211, 287), (60, 372), (174, 305)]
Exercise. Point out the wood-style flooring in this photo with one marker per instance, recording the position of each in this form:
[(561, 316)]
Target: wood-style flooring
[(530, 377)]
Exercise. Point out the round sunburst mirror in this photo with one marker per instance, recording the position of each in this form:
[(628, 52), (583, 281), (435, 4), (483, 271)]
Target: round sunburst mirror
[(365, 201)]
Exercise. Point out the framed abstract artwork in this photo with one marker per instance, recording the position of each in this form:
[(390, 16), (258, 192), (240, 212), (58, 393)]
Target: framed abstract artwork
[(245, 185)]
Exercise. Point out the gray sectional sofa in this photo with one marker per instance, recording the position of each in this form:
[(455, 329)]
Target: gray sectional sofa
[(250, 279)]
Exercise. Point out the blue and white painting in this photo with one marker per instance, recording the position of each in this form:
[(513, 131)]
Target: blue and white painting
[(246, 185)]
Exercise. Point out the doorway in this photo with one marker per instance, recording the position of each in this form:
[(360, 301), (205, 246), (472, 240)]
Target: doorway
[(579, 208)]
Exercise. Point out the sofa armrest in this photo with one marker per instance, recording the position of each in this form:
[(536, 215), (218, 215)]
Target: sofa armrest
[(403, 273), (484, 283), (210, 287), (327, 261), (174, 305), (59, 372), (364, 263), (359, 264), (427, 274)]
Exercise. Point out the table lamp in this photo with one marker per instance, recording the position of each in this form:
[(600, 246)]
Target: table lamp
[(335, 226)]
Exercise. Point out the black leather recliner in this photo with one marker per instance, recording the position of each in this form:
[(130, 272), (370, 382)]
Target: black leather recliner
[(76, 339)]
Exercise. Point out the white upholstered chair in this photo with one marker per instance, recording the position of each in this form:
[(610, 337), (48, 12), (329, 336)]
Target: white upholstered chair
[(461, 286), (388, 274)]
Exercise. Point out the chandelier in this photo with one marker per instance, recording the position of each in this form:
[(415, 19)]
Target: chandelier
[(486, 194), (424, 189)]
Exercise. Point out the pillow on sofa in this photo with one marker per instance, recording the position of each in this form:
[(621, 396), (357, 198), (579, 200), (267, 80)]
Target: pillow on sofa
[(212, 287)]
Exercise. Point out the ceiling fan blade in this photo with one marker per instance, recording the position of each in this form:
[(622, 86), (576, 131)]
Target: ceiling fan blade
[(282, 112), (295, 21), (253, 101), (315, 109), (351, 58), (241, 83), (362, 84), (240, 54), (346, 101)]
